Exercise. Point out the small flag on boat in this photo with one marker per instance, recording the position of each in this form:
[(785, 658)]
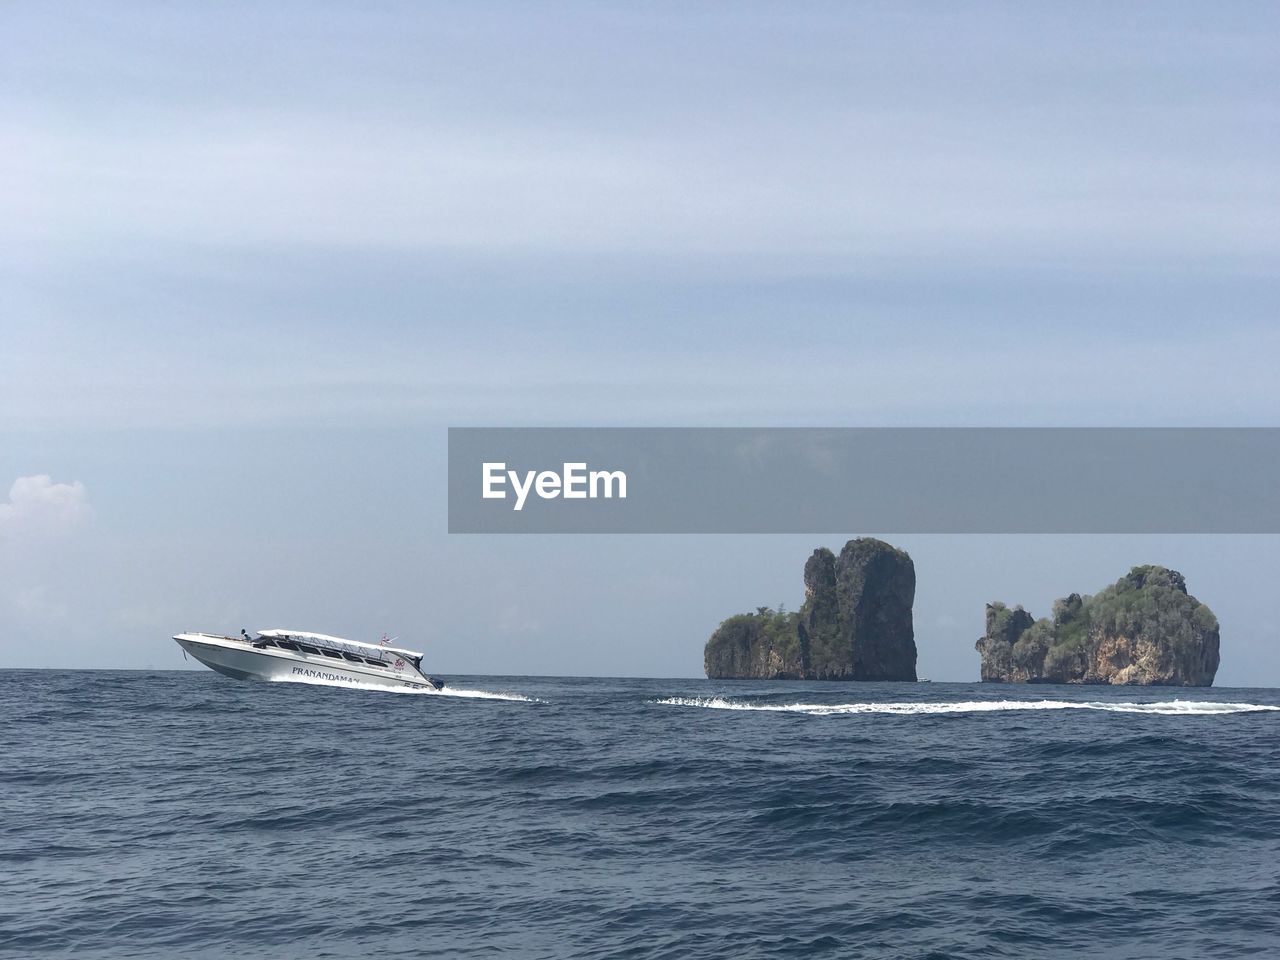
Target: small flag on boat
[(384, 641)]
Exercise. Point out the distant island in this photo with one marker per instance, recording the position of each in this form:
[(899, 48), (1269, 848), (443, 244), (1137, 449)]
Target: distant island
[(855, 623), (1143, 629)]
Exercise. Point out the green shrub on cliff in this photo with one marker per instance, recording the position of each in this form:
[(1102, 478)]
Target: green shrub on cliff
[(1144, 628), (1033, 645), (1152, 603), (747, 643)]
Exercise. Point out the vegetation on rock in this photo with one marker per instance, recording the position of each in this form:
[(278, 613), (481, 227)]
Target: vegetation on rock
[(1143, 629), (855, 623)]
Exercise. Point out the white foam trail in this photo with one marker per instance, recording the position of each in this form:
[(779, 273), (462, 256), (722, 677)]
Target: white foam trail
[(447, 691), (1167, 707), (347, 685)]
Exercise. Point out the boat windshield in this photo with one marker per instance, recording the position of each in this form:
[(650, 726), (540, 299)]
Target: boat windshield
[(355, 651)]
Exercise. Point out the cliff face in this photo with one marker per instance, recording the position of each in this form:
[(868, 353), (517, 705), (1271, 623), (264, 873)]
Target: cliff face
[(1143, 629), (764, 645), (855, 623), (875, 588)]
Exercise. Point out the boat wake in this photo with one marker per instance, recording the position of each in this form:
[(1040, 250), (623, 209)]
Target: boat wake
[(1165, 708), (446, 691)]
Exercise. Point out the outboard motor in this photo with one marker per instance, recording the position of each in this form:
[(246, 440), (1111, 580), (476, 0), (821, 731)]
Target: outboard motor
[(435, 682)]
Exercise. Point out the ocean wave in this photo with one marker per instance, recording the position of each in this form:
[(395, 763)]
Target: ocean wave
[(1016, 834), (1164, 707)]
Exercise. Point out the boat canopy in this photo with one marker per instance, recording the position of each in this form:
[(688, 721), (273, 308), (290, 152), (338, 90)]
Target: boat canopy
[(324, 638)]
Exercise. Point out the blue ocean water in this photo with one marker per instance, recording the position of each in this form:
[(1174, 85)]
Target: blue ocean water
[(183, 814)]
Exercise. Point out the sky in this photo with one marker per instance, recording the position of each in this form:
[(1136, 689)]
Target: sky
[(256, 259)]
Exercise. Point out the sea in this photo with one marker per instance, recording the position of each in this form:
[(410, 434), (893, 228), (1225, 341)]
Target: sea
[(187, 815)]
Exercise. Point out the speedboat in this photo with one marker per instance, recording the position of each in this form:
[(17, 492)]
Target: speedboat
[(309, 658)]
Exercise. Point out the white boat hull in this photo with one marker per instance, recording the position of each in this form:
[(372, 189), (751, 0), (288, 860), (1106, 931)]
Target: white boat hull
[(235, 658)]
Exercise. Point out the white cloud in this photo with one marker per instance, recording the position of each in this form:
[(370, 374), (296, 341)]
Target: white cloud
[(41, 565), (39, 508)]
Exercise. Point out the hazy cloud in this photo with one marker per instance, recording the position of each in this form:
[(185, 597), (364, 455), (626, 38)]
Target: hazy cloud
[(41, 577), (38, 507)]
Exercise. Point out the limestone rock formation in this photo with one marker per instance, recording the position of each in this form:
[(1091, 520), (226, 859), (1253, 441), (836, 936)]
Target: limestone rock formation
[(1143, 629), (855, 623)]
